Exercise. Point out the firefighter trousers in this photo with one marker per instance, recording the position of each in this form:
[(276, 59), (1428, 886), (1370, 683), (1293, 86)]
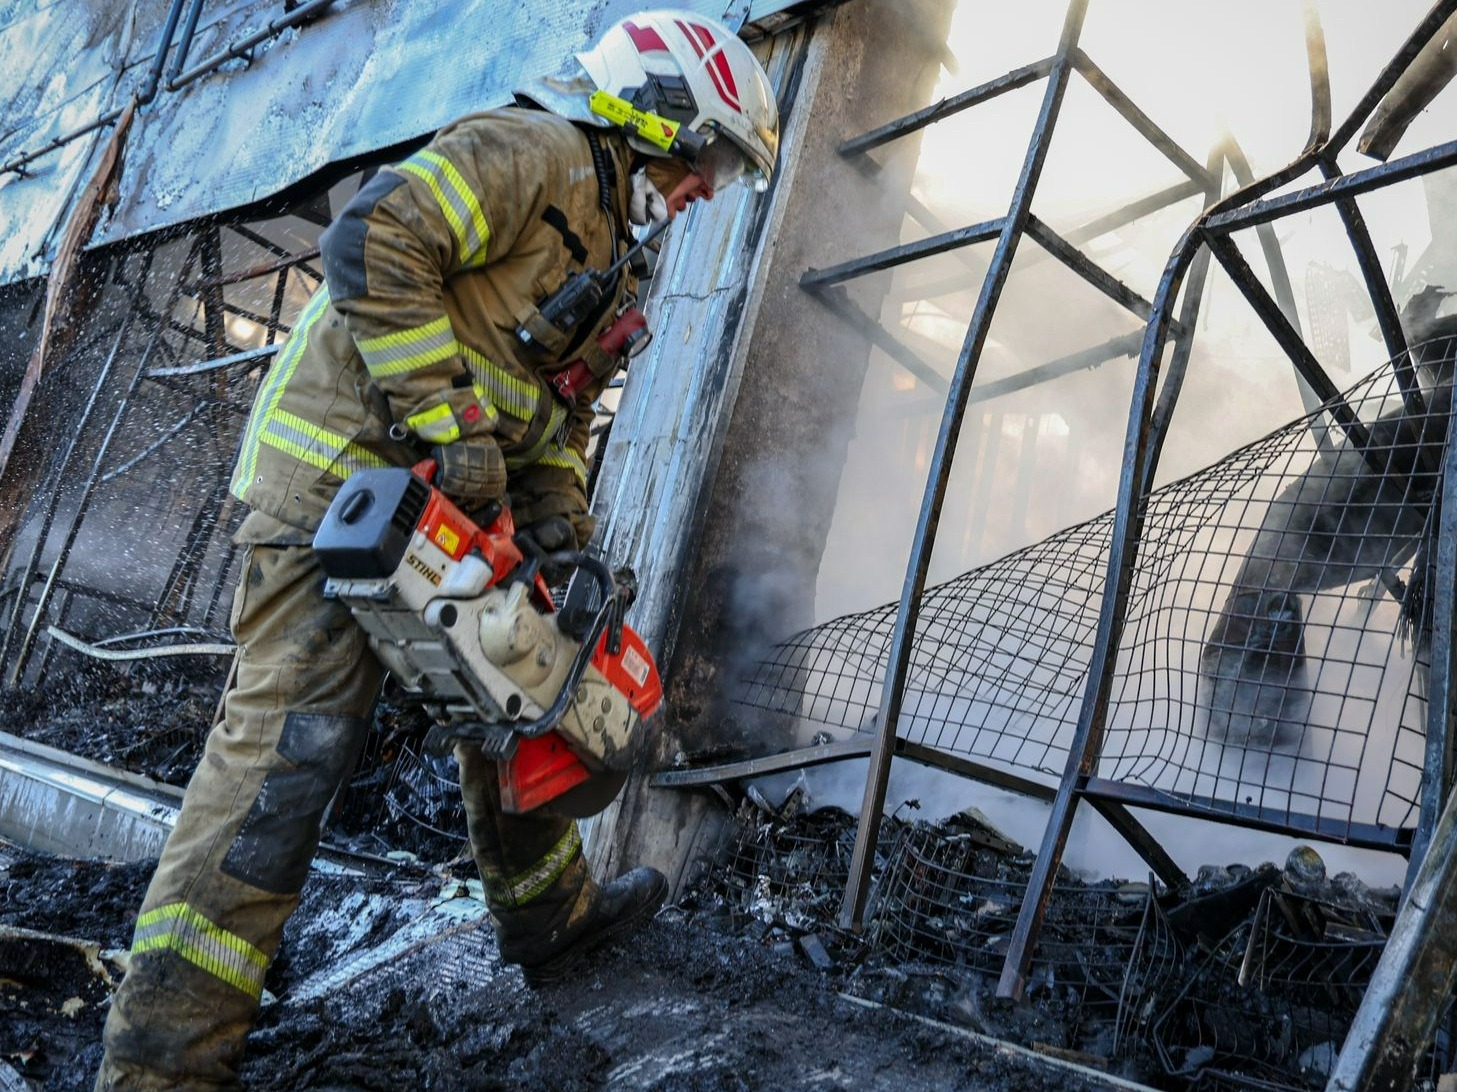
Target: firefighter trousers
[(292, 727)]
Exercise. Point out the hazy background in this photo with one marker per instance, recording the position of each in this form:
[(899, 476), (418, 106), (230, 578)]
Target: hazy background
[(1038, 460)]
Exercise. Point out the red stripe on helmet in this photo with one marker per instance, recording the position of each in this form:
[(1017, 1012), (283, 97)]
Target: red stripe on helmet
[(692, 38), (645, 38), (718, 67)]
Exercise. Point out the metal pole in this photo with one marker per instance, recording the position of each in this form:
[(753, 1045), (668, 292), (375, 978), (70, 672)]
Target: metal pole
[(1168, 397), (239, 49), (893, 692), (1412, 984), (1127, 524), (1295, 348), (893, 130), (1436, 769)]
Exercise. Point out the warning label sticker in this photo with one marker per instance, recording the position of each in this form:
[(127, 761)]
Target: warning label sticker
[(635, 665)]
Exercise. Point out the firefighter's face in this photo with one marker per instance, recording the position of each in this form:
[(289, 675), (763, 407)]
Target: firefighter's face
[(679, 186), (691, 188)]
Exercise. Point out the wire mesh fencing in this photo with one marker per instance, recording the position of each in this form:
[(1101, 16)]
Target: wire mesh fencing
[(1272, 653), (1248, 979), (128, 527), (950, 894), (1270, 1005)]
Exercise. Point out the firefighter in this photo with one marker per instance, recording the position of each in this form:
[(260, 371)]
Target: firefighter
[(410, 349)]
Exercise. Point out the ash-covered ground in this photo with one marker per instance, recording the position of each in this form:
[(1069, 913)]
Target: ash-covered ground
[(388, 978), (679, 1007)]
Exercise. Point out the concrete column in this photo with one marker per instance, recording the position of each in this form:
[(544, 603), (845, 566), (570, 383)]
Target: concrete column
[(721, 479)]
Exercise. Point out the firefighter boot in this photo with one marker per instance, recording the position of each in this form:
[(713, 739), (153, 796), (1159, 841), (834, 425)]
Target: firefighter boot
[(547, 911), (621, 905)]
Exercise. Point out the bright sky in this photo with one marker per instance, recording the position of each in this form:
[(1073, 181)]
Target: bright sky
[(1193, 67)]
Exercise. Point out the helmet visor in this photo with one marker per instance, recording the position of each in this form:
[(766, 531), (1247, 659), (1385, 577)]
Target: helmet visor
[(722, 163)]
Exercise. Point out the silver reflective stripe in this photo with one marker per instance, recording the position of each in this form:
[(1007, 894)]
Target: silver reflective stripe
[(459, 206), (506, 392), (315, 445), (408, 350)]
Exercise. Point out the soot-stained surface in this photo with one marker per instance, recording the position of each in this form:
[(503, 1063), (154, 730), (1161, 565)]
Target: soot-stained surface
[(391, 981), (675, 1008)]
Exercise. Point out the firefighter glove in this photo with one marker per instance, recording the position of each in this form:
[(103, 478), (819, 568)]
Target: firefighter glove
[(551, 534), (471, 472), (548, 536)]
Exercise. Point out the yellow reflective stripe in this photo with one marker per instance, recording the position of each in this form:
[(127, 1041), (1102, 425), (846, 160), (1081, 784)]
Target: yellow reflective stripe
[(272, 390), (498, 387), (179, 928), (458, 204), (548, 434), (567, 459), (525, 886), (435, 425), (317, 446), (407, 350)]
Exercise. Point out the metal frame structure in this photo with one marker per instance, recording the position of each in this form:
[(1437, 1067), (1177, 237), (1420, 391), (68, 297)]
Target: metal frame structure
[(1008, 232), (1397, 1031), (1210, 235), (1212, 231), (295, 14), (209, 395)]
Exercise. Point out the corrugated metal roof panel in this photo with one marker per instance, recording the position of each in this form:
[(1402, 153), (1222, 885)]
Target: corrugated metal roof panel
[(365, 76)]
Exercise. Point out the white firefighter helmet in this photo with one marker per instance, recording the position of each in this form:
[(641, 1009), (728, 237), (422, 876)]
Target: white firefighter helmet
[(677, 83)]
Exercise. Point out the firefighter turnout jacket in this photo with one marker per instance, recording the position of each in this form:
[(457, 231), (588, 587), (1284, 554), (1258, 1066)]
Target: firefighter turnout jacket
[(412, 340)]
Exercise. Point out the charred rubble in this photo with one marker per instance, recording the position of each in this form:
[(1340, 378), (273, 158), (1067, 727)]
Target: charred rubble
[(1248, 978)]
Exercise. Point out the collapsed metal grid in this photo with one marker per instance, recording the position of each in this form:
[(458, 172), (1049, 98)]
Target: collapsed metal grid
[(425, 791), (177, 386), (1001, 654), (946, 898), (1271, 1004), (1266, 661), (1156, 963), (784, 871)]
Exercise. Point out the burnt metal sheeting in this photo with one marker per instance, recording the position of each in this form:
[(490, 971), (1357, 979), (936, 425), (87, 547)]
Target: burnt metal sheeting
[(267, 98)]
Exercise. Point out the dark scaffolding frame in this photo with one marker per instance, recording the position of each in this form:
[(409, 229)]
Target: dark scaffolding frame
[(1148, 419), (1211, 233), (211, 383), (1150, 413)]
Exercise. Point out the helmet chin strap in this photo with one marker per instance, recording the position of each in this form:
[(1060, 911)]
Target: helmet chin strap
[(646, 205)]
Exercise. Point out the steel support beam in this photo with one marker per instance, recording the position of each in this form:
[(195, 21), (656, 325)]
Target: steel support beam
[(1347, 185), (1251, 816), (1441, 692), (1019, 77), (903, 638), (1413, 981), (816, 279), (1098, 80)]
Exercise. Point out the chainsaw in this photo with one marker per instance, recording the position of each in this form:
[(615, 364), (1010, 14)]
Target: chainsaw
[(465, 623)]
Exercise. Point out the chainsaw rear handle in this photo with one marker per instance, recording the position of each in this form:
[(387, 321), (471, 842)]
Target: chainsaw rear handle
[(608, 619)]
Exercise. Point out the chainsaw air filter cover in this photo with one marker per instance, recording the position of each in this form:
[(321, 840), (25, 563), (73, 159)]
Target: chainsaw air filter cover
[(365, 532)]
